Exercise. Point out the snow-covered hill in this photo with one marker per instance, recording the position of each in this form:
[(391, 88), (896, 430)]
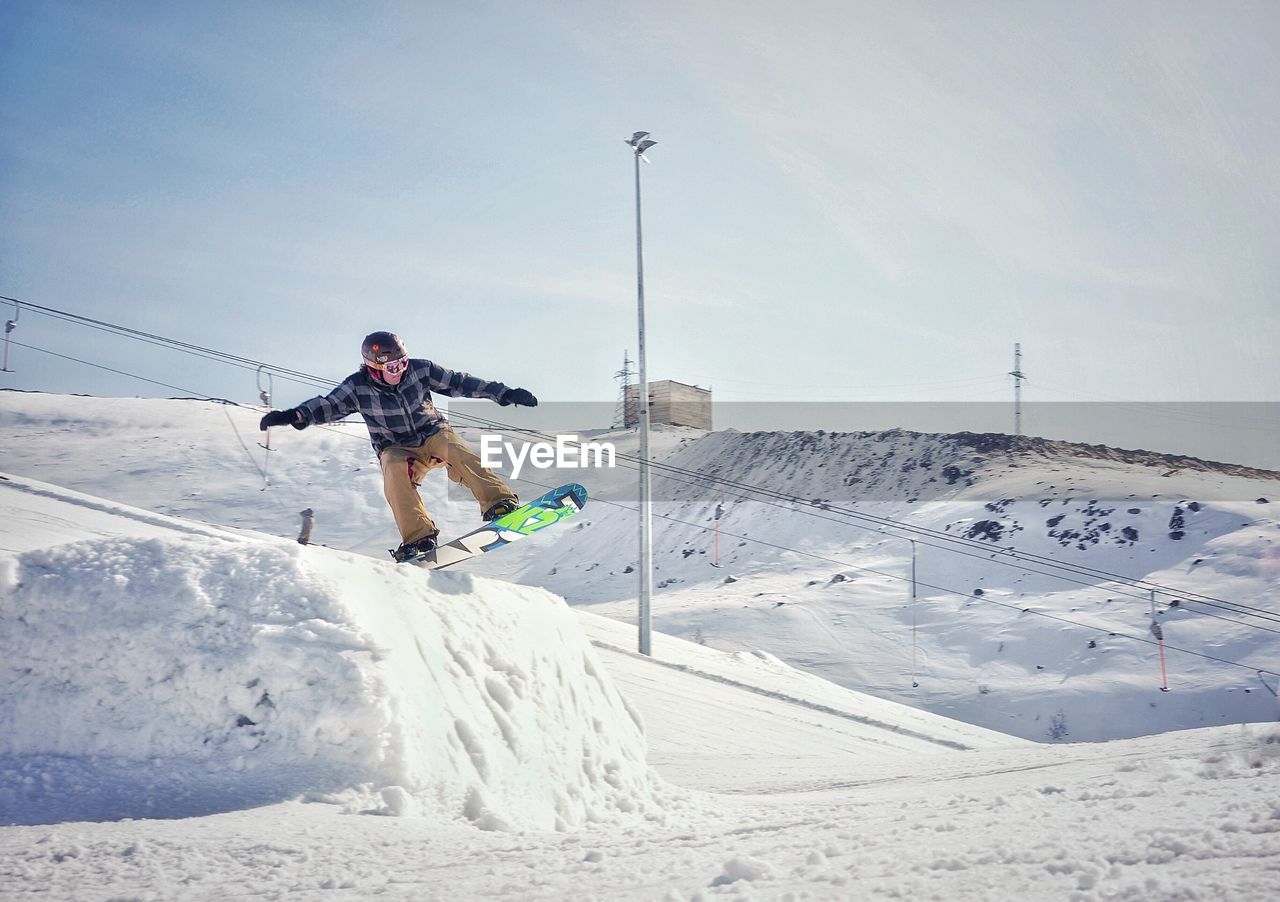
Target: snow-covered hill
[(1049, 642), (247, 703), (207, 671), (1021, 646)]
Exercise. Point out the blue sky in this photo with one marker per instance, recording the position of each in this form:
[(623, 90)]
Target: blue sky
[(849, 201)]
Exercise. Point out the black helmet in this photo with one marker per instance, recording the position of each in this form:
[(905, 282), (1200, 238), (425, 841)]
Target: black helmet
[(379, 347)]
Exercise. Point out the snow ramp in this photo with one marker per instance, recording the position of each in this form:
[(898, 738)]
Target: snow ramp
[(174, 677)]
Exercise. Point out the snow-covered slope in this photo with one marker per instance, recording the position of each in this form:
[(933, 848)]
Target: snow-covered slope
[(762, 781), (203, 670), (1019, 646), (209, 671), (1050, 641)]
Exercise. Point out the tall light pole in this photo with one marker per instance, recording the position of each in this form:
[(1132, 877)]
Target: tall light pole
[(639, 143)]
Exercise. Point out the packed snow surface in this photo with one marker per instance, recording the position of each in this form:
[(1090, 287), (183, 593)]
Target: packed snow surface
[(251, 671), (193, 708), (1054, 649)]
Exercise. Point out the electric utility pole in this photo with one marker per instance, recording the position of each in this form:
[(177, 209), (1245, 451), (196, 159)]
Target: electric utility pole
[(620, 418)]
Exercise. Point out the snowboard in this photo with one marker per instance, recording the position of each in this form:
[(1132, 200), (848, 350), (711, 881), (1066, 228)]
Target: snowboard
[(537, 515)]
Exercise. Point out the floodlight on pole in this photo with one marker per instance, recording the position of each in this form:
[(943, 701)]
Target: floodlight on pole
[(639, 143)]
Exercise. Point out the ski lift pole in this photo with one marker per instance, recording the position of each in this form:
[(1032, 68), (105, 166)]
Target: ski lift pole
[(719, 514), (915, 683), (9, 326), (1159, 634), (264, 394)]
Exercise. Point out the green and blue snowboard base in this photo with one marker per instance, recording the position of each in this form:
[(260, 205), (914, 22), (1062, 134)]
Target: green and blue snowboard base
[(538, 514)]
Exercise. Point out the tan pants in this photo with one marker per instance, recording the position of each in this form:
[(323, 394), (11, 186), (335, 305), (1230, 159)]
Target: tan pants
[(404, 468)]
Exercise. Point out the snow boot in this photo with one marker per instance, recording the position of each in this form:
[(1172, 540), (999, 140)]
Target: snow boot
[(412, 551), (501, 509)]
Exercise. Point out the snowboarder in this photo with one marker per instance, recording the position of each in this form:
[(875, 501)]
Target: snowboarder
[(393, 393)]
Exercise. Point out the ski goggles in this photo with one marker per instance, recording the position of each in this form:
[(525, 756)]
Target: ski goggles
[(395, 366)]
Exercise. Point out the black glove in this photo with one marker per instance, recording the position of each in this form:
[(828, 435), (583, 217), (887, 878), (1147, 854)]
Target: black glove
[(292, 416), (521, 397)]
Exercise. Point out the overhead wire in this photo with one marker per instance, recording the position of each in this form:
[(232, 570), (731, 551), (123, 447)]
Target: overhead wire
[(857, 516), (804, 507), (210, 353), (1004, 556), (1260, 613), (100, 366), (965, 547), (189, 392), (944, 589), (174, 344)]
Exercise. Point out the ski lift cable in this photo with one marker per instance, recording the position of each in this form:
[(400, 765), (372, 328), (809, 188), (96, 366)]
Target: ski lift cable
[(663, 516), (1005, 556), (1091, 587), (175, 344), (856, 515), (163, 343), (944, 589), (986, 558), (226, 403), (309, 377), (881, 522), (100, 366)]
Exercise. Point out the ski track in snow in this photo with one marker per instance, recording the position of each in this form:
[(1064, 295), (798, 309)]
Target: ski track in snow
[(825, 709)]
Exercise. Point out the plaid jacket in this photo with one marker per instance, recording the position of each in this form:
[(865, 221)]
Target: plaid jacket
[(403, 414)]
